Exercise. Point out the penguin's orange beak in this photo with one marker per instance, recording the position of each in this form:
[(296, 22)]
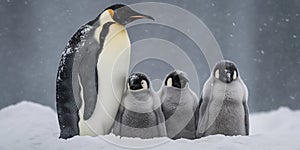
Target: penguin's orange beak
[(141, 17)]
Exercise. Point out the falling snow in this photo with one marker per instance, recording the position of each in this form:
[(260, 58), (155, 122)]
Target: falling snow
[(257, 60), (233, 24), (271, 18), (292, 97), (287, 20)]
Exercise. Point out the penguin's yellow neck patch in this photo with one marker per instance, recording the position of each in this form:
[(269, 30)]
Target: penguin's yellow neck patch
[(114, 29), (106, 16), (111, 12)]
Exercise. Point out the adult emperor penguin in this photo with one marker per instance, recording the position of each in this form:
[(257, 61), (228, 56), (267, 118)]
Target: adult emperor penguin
[(179, 105), (140, 113), (223, 105), (92, 73)]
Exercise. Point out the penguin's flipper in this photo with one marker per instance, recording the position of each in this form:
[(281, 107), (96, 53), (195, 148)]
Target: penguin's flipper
[(196, 115), (88, 76), (88, 71), (247, 125), (160, 118), (196, 107), (205, 100), (118, 121), (161, 122), (203, 117), (246, 108)]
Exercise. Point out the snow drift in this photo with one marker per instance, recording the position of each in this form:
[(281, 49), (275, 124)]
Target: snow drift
[(33, 126)]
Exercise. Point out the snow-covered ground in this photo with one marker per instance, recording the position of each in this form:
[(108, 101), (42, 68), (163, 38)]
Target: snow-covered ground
[(33, 126)]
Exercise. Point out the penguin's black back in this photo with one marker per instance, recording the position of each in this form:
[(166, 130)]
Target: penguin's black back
[(67, 109)]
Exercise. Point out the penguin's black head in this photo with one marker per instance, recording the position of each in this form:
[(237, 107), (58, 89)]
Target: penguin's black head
[(177, 79), (226, 71), (123, 14), (138, 81)]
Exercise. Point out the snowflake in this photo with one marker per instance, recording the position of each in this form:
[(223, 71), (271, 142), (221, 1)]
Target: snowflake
[(233, 23)]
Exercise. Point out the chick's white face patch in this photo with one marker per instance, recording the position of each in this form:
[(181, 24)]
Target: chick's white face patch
[(144, 84), (169, 82), (128, 86), (234, 75), (217, 74)]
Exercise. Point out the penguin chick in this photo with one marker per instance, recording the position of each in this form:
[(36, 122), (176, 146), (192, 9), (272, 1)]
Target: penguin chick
[(223, 105), (140, 113), (179, 105)]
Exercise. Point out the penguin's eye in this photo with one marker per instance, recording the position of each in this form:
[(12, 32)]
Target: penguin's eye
[(169, 82), (234, 75), (217, 74), (144, 84)]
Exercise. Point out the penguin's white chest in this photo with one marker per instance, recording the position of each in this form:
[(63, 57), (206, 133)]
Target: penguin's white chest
[(112, 67), (232, 92)]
